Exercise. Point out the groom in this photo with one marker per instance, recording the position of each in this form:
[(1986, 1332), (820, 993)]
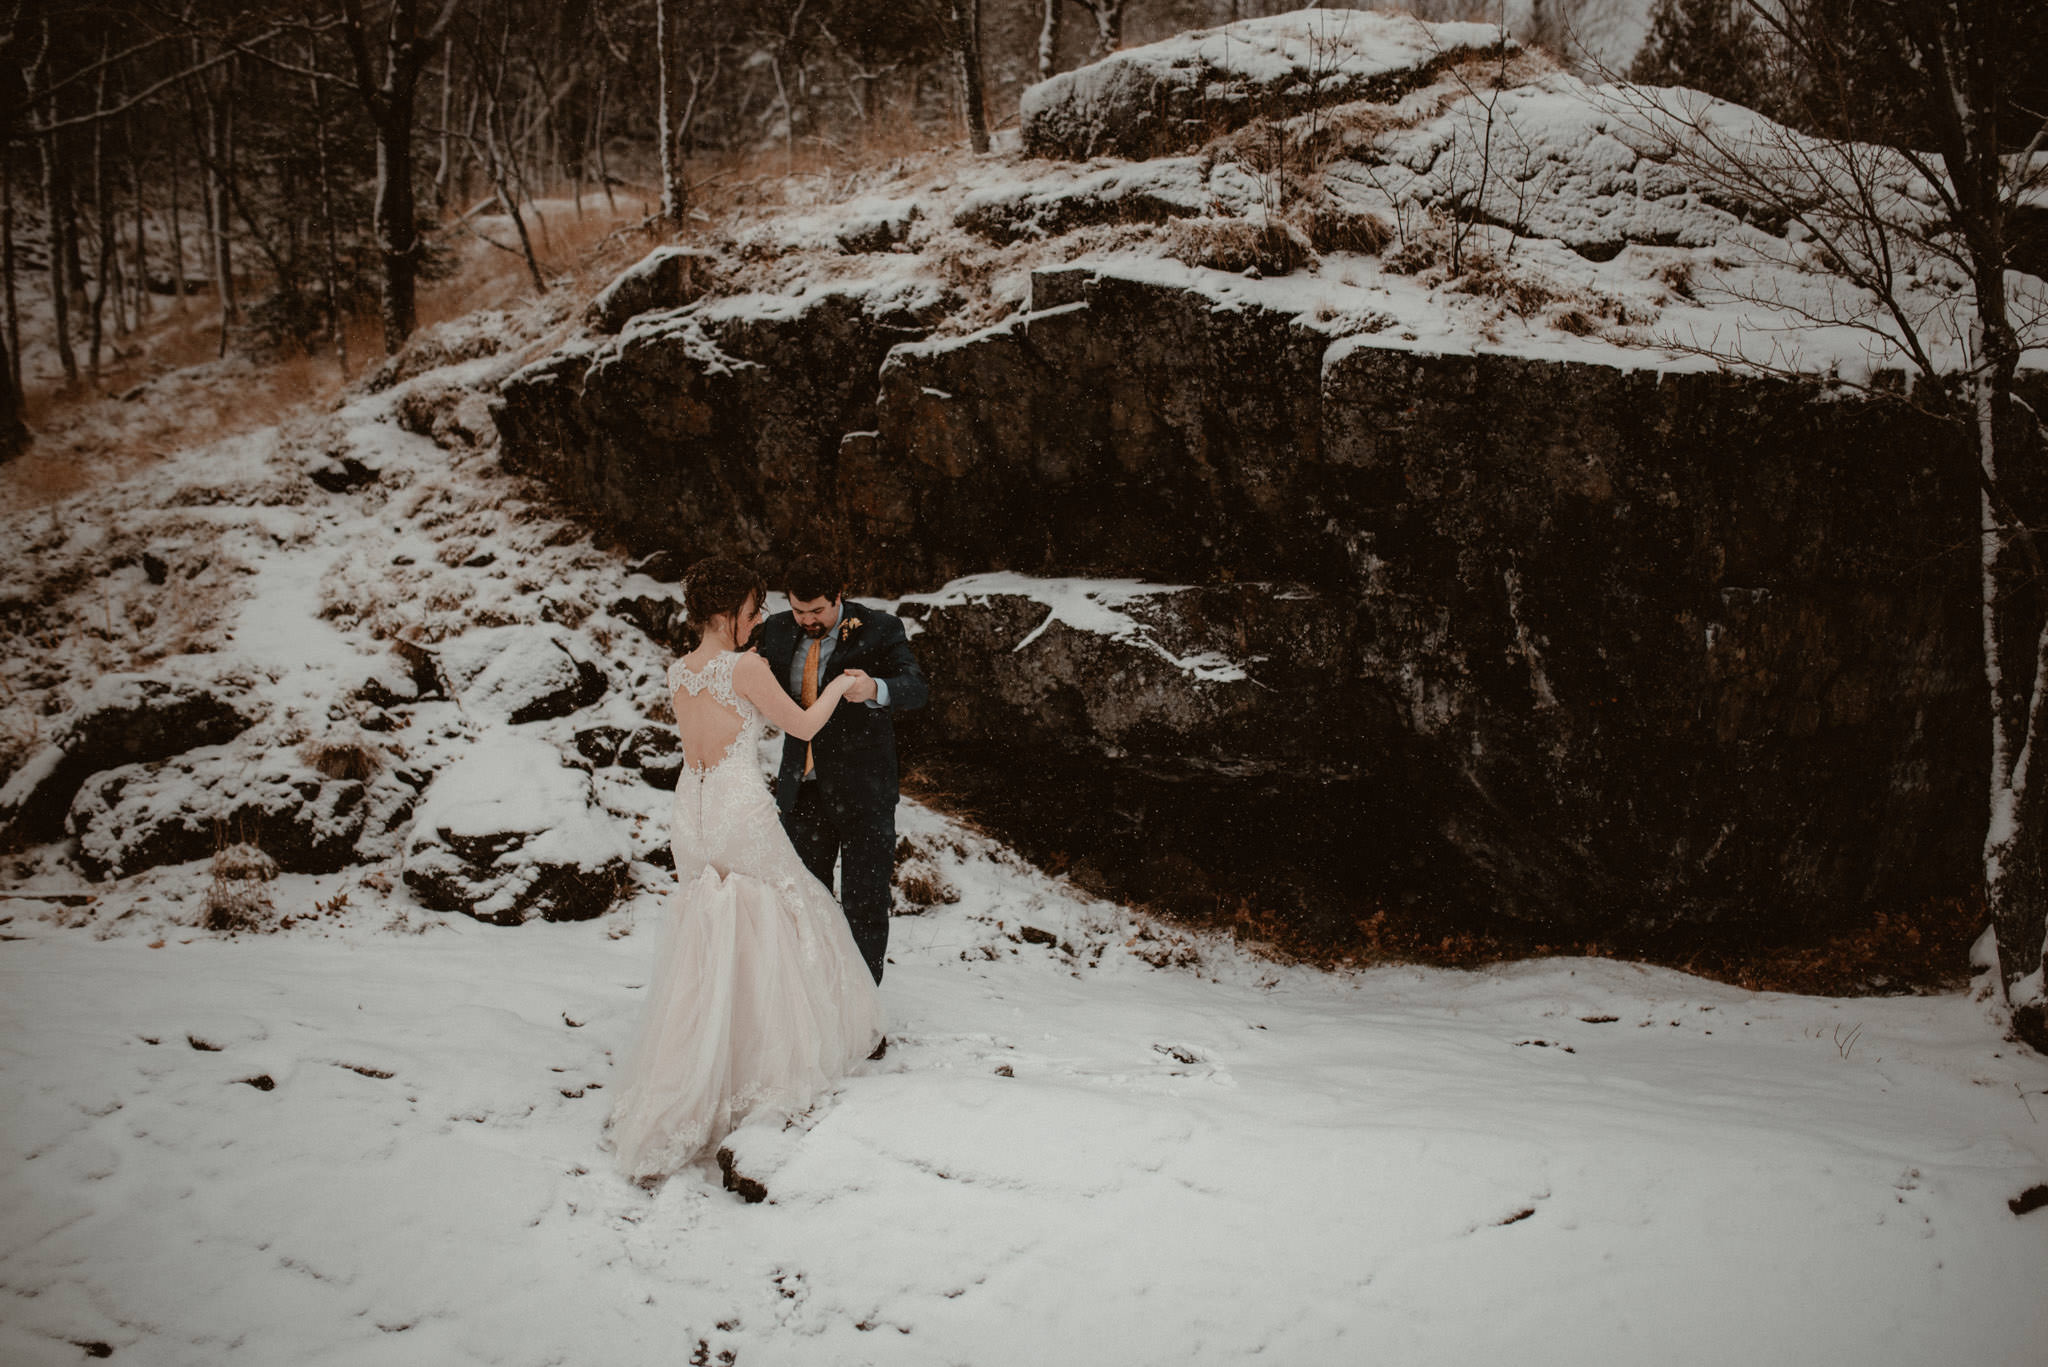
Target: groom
[(838, 793)]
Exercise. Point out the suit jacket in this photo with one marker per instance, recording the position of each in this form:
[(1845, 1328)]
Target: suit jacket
[(855, 755)]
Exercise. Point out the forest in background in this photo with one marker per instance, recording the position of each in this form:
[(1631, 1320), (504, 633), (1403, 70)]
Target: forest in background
[(294, 168)]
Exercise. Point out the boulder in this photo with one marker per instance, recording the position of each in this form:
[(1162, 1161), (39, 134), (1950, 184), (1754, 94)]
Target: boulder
[(659, 615), (666, 278), (409, 674), (1145, 192), (600, 744), (657, 753), (142, 815), (509, 832), (714, 428), (870, 224), (125, 719), (1177, 94), (521, 673)]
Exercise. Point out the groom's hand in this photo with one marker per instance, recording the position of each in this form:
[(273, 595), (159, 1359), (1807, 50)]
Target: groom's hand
[(863, 689)]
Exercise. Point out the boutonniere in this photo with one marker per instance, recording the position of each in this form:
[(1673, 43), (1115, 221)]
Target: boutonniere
[(851, 625)]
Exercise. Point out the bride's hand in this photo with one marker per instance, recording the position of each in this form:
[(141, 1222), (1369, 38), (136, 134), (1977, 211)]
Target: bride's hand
[(852, 680)]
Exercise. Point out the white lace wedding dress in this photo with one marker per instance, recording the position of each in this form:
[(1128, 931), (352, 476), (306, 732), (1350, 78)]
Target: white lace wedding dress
[(759, 999)]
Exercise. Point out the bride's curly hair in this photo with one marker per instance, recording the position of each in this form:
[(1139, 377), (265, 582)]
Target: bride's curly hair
[(717, 587)]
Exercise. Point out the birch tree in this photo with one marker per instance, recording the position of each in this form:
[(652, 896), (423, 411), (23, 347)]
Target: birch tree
[(1936, 176)]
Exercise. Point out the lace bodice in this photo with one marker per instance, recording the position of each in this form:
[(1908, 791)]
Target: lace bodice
[(724, 816), (715, 678)]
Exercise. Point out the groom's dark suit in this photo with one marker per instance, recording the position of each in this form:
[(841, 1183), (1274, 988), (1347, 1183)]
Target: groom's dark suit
[(847, 809)]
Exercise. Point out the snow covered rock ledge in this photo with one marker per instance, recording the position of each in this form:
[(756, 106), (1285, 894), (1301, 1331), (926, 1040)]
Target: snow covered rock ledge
[(142, 815), (509, 832), (125, 719), (1175, 95), (521, 673)]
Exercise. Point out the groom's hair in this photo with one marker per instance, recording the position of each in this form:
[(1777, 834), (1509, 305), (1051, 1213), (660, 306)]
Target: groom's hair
[(811, 577)]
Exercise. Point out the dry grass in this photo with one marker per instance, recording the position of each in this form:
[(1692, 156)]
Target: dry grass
[(1337, 230), (238, 898), (1239, 245), (342, 756), (166, 387)]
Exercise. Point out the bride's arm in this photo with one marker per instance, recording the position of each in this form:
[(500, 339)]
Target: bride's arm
[(754, 680)]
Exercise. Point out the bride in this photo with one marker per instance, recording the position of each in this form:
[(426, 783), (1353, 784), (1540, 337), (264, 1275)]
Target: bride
[(759, 999)]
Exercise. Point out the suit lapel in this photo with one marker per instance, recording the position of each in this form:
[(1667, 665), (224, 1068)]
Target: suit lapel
[(843, 645), (777, 647)]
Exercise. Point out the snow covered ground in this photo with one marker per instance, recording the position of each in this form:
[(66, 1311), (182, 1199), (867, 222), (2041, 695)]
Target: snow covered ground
[(372, 1137), (362, 1145)]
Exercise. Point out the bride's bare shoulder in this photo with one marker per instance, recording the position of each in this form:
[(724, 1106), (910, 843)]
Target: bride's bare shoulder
[(751, 668)]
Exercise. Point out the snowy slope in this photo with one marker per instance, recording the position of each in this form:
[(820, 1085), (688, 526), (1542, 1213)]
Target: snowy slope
[(1067, 1155)]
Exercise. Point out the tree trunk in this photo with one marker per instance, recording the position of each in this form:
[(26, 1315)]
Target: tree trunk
[(7, 267), (1049, 38), (389, 102), (337, 328), (1109, 25), (103, 216), (141, 231), (604, 174), (447, 133), (219, 211), (13, 435), (675, 193), (395, 226), (177, 235), (60, 289), (967, 58)]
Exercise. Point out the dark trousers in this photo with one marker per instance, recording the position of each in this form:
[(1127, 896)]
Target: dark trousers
[(864, 844)]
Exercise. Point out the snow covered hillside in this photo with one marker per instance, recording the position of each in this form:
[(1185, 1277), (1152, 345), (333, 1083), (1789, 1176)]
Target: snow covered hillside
[(336, 764), (371, 1136)]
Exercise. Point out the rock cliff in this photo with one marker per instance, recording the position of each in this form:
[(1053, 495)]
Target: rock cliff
[(1239, 589)]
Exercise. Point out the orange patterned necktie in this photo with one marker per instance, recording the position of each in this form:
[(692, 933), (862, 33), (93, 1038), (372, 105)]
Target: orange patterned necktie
[(810, 689)]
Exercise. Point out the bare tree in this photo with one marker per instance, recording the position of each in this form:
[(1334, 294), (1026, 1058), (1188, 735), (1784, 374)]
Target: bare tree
[(675, 194), (1109, 24), (388, 96), (966, 33), (1880, 215), (1049, 38)]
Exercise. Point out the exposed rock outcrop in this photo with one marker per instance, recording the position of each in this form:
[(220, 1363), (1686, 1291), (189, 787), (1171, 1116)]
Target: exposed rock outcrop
[(508, 833), (1174, 96), (727, 414), (125, 719), (521, 673), (666, 278), (142, 815), (1606, 645)]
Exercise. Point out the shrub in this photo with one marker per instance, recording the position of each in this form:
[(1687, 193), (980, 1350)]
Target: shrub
[(1239, 245), (342, 757), (1574, 320), (1339, 230), (238, 898)]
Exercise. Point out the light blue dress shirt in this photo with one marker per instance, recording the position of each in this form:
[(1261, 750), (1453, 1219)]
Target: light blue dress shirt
[(826, 645)]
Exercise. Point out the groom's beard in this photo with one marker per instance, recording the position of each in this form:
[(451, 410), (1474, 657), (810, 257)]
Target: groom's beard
[(817, 631)]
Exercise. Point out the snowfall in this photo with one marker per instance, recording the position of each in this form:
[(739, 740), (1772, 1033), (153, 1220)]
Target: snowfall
[(373, 1135)]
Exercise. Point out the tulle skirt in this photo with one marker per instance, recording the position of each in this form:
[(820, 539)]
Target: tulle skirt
[(758, 1002)]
